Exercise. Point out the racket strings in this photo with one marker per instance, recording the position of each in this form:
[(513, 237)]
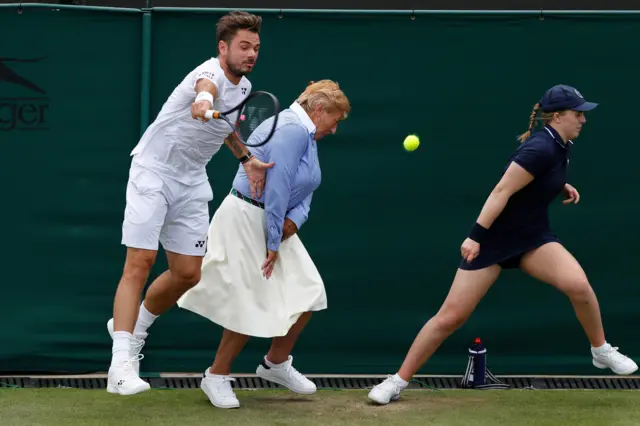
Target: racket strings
[(254, 113)]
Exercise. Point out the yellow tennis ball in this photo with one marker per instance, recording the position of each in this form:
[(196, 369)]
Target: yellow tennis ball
[(411, 143)]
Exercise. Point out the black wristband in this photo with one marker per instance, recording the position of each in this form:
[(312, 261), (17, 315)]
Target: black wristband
[(478, 232), (246, 158)]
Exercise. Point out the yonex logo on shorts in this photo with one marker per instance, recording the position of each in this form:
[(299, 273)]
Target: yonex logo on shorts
[(200, 244)]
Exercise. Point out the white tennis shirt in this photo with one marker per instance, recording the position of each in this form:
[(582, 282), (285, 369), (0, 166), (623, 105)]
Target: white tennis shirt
[(178, 146)]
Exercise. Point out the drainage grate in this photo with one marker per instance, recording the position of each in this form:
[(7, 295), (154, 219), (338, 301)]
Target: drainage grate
[(175, 382), (431, 383), (360, 382), (588, 383), (14, 382), (62, 382)]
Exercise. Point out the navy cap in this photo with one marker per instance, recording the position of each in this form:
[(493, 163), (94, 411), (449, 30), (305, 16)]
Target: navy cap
[(562, 97)]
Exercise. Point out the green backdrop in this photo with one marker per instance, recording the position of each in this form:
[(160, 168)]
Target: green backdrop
[(385, 225)]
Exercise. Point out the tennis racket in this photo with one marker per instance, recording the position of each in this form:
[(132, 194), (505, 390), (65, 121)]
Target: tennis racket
[(257, 108)]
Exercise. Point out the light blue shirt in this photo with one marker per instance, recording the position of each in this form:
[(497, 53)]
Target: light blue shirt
[(296, 174)]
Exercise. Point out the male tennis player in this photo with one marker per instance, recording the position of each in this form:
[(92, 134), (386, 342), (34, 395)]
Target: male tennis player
[(168, 192)]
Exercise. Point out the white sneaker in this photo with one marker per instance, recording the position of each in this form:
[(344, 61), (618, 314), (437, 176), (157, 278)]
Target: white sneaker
[(123, 379), (137, 343), (287, 376), (611, 358), (219, 391), (387, 391)]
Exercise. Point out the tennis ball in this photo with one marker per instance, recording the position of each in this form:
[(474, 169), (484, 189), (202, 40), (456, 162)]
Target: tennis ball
[(411, 143)]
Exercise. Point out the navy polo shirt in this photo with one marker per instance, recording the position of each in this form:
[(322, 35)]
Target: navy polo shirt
[(525, 217)]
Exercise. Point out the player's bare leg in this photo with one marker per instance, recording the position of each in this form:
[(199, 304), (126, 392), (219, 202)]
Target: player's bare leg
[(281, 347), (164, 292), (468, 288), (277, 365), (230, 346), (554, 265), (123, 378), (136, 271), (216, 382)]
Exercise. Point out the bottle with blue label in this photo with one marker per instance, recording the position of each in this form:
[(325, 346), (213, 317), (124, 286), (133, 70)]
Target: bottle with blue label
[(478, 375), (479, 355)]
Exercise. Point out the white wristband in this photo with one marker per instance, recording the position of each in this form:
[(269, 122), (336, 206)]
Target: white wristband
[(205, 96)]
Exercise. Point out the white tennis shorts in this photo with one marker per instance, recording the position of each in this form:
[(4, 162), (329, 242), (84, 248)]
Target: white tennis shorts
[(165, 211)]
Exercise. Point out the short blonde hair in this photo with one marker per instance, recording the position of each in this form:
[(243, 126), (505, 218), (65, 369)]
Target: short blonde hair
[(327, 94)]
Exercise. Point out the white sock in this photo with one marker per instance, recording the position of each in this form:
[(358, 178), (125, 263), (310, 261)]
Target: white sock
[(210, 375), (121, 347), (145, 319), (272, 365), (601, 349), (399, 380)]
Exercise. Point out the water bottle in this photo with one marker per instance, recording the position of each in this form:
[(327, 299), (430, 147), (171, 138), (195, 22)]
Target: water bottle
[(479, 354)]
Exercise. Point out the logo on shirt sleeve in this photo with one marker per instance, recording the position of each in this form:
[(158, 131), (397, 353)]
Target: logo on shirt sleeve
[(206, 74), (244, 90)]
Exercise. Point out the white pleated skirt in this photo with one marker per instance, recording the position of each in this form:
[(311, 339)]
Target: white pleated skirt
[(234, 294)]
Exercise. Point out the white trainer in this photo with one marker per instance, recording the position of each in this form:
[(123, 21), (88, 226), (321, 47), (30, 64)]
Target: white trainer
[(387, 391), (137, 343), (609, 357), (219, 391), (123, 380), (286, 375)]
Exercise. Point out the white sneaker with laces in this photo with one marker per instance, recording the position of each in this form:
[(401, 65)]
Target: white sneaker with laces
[(286, 375), (137, 343), (609, 357), (123, 380), (219, 391), (387, 391)]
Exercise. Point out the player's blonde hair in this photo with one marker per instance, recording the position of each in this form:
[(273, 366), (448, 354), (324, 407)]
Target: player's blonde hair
[(327, 94), (545, 117)]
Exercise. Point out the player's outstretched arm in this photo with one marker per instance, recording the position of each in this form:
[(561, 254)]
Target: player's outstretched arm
[(237, 148), (529, 162), (255, 169), (206, 93), (514, 179)]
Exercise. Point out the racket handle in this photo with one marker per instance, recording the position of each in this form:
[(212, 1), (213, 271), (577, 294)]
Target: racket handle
[(211, 114)]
